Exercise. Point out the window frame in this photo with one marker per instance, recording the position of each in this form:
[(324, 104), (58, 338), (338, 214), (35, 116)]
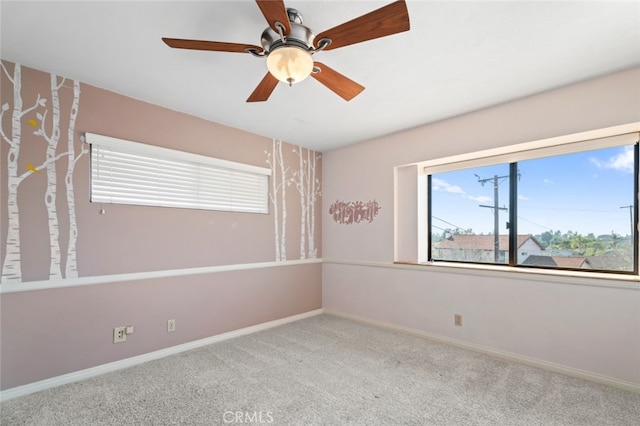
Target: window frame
[(532, 150)]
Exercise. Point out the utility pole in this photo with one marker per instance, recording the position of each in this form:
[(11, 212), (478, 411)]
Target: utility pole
[(496, 212), (630, 218)]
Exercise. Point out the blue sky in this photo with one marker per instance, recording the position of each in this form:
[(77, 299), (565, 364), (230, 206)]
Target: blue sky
[(585, 192)]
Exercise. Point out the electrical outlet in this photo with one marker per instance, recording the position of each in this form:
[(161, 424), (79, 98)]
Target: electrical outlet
[(171, 325), (457, 320), (119, 334)]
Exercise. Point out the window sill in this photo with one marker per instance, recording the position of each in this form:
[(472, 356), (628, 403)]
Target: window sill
[(599, 279), (568, 277)]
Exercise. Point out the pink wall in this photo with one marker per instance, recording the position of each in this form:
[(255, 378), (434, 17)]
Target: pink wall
[(50, 332), (596, 329), (590, 328)]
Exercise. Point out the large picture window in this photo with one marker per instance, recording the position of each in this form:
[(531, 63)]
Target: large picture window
[(565, 207), (125, 172)]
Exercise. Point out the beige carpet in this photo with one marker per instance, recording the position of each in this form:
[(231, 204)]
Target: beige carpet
[(327, 371)]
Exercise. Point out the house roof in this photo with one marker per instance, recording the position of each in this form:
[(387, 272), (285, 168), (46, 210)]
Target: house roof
[(619, 261), (482, 242), (575, 262)]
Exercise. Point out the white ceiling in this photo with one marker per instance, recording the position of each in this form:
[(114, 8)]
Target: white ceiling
[(457, 57)]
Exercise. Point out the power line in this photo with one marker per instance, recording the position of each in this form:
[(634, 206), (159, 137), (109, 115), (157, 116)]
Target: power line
[(533, 223), (448, 223)]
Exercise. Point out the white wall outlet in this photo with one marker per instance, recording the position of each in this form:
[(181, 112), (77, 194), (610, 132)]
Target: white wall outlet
[(119, 334), (171, 325)]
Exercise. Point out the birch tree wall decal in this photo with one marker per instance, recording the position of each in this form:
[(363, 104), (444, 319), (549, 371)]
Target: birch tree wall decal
[(11, 265), (284, 171), (299, 180), (308, 187), (55, 268), (53, 140), (278, 197), (71, 267), (315, 191), (271, 161)]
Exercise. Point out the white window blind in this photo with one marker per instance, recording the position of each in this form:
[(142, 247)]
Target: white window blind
[(125, 172)]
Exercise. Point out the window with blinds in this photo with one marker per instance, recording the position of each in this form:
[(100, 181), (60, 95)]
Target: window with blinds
[(125, 172)]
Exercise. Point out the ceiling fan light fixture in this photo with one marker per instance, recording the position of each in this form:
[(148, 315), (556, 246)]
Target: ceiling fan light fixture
[(287, 45), (290, 64)]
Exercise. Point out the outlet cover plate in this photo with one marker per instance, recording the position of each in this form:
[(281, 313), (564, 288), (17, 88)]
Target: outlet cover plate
[(457, 320), (119, 334)]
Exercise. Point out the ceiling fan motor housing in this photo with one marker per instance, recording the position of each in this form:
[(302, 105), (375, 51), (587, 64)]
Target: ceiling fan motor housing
[(299, 36)]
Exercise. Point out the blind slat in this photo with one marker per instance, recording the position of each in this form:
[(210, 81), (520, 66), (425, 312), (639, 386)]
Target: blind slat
[(135, 176)]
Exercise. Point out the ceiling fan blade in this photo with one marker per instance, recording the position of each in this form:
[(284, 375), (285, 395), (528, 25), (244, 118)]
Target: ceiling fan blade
[(216, 46), (264, 89), (390, 19), (342, 86), (274, 11)]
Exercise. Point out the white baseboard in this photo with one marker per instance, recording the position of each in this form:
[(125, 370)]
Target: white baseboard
[(130, 362), (533, 362)]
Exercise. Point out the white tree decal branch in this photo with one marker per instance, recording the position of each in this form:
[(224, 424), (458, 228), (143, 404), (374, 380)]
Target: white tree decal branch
[(7, 73)]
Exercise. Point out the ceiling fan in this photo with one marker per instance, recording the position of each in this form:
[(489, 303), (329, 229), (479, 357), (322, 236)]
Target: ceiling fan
[(288, 45)]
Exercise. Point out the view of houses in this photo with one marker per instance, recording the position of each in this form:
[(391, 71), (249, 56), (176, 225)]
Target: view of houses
[(556, 250)]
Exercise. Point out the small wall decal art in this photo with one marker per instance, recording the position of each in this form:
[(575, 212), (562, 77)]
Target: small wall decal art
[(349, 212)]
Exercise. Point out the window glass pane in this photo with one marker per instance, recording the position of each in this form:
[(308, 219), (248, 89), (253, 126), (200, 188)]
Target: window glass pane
[(469, 214), (579, 208)]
